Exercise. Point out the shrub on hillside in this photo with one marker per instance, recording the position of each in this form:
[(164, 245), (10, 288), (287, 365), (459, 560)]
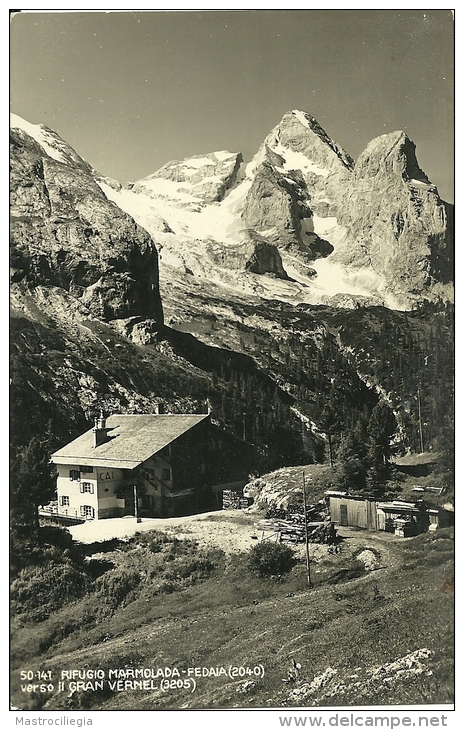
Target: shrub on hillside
[(60, 537), (116, 585), (154, 541), (38, 591), (271, 558), (192, 568), (50, 545)]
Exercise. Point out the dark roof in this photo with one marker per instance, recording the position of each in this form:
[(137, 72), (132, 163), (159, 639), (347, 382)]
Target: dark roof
[(131, 440)]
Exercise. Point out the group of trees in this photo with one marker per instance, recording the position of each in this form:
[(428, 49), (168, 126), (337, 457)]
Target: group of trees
[(255, 409), (411, 356), (363, 454)]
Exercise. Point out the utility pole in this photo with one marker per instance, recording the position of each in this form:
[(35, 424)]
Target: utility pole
[(136, 504), (308, 571), (421, 437)]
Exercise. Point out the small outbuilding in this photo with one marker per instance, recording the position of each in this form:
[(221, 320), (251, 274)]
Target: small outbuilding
[(353, 510), (399, 517)]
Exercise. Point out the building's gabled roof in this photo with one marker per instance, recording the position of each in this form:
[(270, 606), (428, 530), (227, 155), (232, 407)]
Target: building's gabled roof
[(131, 440)]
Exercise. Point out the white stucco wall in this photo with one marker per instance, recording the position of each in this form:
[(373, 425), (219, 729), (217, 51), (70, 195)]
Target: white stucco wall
[(72, 488)]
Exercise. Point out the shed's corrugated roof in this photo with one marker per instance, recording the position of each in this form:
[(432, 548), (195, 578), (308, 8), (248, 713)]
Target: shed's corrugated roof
[(397, 507), (132, 440)]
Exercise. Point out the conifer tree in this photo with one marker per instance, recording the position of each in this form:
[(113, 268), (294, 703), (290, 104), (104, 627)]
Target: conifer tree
[(381, 427), (32, 483)]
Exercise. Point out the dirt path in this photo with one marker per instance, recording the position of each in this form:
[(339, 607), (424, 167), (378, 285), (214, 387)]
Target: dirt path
[(236, 531), (383, 544), (230, 531)]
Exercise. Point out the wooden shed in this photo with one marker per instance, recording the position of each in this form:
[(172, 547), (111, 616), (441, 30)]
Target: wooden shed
[(353, 511), (404, 519)]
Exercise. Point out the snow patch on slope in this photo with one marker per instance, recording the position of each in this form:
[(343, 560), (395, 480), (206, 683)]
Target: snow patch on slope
[(298, 161), (186, 249), (328, 228), (159, 187), (301, 116), (40, 134)]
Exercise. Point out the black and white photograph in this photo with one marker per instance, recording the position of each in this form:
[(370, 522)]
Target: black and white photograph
[(231, 366)]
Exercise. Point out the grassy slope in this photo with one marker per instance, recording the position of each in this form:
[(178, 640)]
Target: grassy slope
[(232, 618)]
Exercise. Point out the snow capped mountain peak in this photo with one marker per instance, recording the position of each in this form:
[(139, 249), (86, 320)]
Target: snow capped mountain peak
[(297, 211), (305, 145), (40, 134), (50, 142), (195, 180)]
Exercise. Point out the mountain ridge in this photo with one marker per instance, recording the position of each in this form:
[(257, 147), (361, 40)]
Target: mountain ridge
[(302, 196)]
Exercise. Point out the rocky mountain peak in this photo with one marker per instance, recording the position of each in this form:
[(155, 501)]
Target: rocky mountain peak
[(298, 173), (45, 142), (394, 220), (300, 136), (392, 153)]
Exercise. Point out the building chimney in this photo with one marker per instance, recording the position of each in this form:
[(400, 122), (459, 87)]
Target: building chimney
[(100, 431), (159, 408), (100, 422)]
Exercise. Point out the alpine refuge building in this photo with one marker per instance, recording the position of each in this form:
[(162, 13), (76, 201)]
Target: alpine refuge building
[(154, 465)]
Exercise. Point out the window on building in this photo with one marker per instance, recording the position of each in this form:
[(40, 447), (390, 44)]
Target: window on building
[(87, 511), (74, 475), (64, 501), (166, 475), (86, 487), (86, 469)]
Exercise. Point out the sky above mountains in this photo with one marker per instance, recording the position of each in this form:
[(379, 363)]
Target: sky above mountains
[(132, 90)]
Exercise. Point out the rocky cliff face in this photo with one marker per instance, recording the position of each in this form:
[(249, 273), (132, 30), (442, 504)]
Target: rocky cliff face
[(394, 219), (253, 254), (298, 176), (66, 234), (276, 204)]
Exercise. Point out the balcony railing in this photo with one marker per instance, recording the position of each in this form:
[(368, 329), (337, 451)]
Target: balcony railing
[(55, 510)]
